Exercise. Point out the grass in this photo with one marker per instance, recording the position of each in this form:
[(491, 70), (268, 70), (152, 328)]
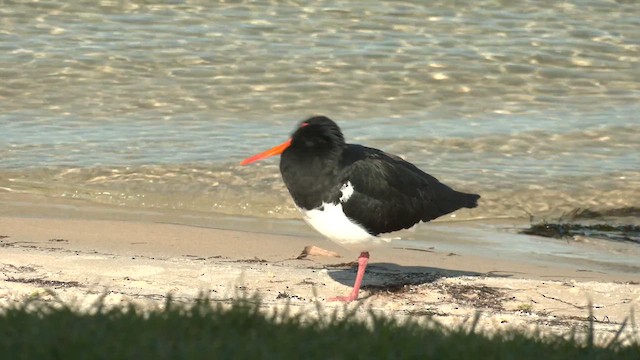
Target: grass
[(525, 308), (203, 329)]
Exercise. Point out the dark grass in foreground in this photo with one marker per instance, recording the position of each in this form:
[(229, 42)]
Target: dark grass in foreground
[(241, 331)]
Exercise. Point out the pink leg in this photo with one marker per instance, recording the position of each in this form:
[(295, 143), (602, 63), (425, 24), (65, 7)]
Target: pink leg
[(363, 259)]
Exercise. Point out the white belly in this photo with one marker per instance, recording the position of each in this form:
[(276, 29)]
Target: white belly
[(334, 224)]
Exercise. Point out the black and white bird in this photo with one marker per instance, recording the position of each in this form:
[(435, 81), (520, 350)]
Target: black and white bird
[(352, 193)]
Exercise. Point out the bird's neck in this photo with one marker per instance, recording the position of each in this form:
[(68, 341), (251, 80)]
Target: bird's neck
[(311, 179)]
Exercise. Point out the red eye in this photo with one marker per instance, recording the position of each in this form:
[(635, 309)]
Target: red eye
[(304, 124)]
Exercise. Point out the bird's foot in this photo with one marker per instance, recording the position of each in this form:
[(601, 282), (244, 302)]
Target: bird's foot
[(345, 299), (363, 259), (315, 250)]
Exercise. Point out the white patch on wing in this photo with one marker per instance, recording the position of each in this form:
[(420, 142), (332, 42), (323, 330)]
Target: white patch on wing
[(334, 224), (347, 191)]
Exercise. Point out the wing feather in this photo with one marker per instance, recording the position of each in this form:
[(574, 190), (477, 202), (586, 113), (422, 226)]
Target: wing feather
[(392, 194)]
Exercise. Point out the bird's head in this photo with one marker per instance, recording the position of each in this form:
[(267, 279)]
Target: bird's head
[(313, 134)]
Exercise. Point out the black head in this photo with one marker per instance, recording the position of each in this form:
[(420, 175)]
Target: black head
[(318, 133), (310, 164), (317, 136)]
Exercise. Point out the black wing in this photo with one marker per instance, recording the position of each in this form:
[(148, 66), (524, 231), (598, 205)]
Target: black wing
[(392, 194)]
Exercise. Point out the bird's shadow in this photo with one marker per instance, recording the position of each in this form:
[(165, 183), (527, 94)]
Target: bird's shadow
[(394, 278)]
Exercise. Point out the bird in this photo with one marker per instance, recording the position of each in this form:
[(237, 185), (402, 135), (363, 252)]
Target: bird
[(352, 193)]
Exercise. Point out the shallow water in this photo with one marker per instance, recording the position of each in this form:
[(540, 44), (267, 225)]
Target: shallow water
[(151, 106)]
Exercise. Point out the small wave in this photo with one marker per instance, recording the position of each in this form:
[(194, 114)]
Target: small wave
[(259, 191)]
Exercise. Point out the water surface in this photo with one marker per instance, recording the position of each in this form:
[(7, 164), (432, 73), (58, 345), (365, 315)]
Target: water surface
[(147, 107)]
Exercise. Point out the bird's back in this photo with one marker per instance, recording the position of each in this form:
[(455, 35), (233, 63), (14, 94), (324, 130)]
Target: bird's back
[(391, 194)]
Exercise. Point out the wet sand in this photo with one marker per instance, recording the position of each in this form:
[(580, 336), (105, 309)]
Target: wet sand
[(143, 262)]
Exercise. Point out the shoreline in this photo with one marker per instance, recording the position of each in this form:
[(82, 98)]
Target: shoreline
[(491, 239), (125, 261)]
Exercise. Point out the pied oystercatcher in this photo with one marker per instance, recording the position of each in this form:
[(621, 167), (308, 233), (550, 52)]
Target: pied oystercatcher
[(351, 193)]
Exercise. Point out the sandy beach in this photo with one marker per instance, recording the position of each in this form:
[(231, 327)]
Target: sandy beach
[(143, 262)]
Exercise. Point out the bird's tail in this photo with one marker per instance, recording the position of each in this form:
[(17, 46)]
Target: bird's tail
[(452, 201), (469, 200)]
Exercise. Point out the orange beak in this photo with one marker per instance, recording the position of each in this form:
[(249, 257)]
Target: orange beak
[(276, 150)]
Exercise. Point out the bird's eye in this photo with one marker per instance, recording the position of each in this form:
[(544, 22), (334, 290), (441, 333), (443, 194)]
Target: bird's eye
[(304, 124)]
